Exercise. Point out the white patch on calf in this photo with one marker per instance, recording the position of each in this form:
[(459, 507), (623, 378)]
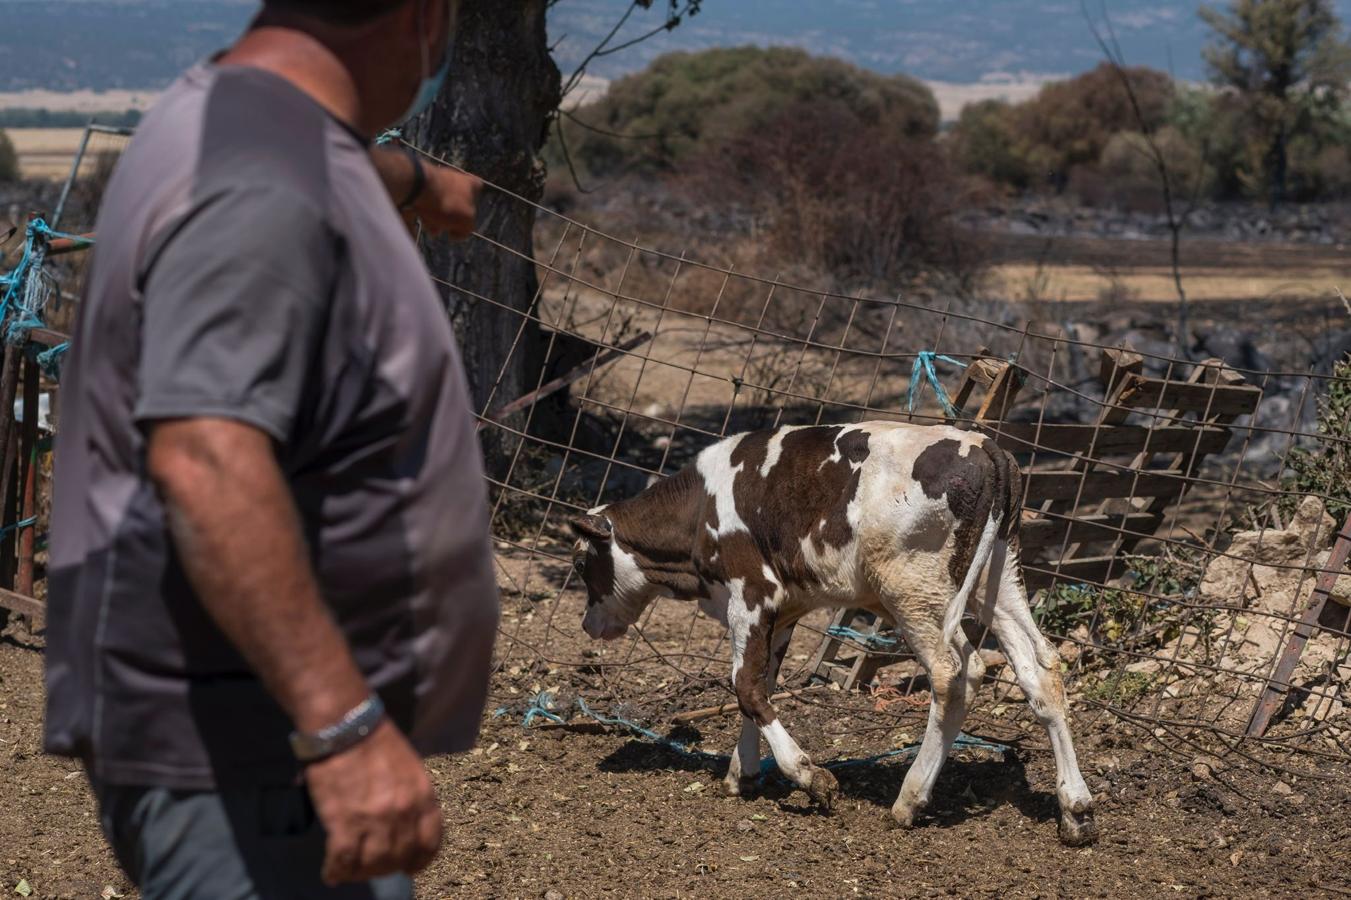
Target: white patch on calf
[(740, 620), (787, 753), (715, 465), (629, 578), (777, 599), (774, 451)]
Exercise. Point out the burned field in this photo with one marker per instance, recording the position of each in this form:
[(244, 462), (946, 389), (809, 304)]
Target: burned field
[(586, 810), (1181, 521)]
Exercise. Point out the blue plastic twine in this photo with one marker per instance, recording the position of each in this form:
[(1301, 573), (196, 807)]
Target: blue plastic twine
[(922, 371)]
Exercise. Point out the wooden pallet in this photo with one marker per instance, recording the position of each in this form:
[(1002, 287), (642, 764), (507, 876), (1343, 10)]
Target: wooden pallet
[(852, 662)]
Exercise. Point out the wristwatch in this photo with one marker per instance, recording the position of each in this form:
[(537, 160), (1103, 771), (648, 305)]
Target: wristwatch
[(419, 179), (353, 728)]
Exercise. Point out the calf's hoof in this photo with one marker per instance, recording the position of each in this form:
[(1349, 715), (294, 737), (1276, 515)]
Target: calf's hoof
[(904, 816), (822, 787), (1077, 829), (739, 786)]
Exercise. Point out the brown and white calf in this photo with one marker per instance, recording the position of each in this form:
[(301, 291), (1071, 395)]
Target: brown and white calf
[(901, 519)]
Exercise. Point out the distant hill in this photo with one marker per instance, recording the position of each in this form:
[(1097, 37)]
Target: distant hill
[(142, 44), (960, 41)]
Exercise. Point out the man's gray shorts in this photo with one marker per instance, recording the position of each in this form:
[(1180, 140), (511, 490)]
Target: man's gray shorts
[(238, 844)]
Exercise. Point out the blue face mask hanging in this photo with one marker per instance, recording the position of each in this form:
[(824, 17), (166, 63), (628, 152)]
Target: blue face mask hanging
[(431, 84)]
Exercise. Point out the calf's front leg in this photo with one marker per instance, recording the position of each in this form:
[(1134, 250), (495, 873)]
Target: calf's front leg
[(750, 627), (744, 770)]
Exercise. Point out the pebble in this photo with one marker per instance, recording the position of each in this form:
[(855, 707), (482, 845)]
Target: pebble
[(552, 894), (1283, 789), (745, 825)]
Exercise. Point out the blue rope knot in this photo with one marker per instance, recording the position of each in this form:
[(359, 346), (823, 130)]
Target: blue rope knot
[(24, 296), (20, 525), (922, 371), (49, 360), (879, 641)]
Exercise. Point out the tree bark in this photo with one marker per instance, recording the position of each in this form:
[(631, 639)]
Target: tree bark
[(492, 118)]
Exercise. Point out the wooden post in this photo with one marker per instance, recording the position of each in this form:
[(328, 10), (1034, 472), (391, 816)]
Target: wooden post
[(29, 455), (1273, 695)]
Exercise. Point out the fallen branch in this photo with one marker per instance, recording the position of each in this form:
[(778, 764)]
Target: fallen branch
[(602, 357)]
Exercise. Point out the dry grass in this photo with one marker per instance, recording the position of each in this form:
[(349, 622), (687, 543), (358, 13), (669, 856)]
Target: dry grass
[(45, 152), (1155, 283)]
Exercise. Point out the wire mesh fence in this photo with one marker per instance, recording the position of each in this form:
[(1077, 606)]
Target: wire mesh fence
[(1181, 516)]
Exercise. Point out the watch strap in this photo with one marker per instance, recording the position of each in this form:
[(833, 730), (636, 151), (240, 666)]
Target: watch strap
[(353, 728), (419, 179)]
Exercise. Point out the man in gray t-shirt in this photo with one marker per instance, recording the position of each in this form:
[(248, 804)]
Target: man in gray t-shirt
[(271, 582)]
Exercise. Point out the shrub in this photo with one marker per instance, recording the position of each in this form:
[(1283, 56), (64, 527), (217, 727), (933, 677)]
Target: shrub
[(687, 104), (1326, 468), (9, 160), (1139, 614), (1130, 175), (1066, 126), (864, 204), (984, 142)]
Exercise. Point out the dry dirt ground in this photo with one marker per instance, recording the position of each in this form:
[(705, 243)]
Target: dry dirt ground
[(590, 811)]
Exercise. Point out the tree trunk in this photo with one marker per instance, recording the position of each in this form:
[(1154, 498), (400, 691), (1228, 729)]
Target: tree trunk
[(1278, 167), (492, 118)]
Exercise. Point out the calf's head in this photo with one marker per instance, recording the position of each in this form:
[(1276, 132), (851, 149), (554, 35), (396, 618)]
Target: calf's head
[(617, 590)]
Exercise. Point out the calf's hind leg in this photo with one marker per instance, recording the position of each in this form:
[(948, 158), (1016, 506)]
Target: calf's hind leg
[(955, 671), (1037, 667)]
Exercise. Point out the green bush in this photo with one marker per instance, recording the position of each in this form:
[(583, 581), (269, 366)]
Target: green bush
[(1065, 127), (1141, 614), (686, 104), (984, 142), (1326, 468), (9, 160)]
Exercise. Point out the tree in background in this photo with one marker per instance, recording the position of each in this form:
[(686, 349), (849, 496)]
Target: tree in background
[(1288, 62), (9, 160), (1054, 138)]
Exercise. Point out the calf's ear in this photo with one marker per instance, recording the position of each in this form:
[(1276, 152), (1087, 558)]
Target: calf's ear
[(592, 528)]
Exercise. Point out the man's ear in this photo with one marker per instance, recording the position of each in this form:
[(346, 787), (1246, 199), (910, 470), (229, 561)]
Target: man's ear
[(592, 528)]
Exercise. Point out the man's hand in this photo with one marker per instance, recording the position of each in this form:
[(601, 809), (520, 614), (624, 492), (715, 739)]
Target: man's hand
[(378, 807), (449, 204)]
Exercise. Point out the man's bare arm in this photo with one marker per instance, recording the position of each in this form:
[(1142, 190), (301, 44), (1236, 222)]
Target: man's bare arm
[(237, 532), (448, 204)]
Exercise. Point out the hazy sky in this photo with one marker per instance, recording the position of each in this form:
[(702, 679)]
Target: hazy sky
[(138, 44)]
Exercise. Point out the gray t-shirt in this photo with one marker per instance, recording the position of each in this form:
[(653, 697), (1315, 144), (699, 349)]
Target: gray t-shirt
[(251, 266)]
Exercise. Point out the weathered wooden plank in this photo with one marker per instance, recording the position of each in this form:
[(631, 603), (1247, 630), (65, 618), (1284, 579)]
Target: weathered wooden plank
[(603, 357), (1043, 486), (1115, 440), (1209, 400), (24, 606), (1273, 695), (1051, 532), (47, 337)]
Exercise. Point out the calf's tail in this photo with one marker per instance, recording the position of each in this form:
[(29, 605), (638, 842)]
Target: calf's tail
[(1000, 505)]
